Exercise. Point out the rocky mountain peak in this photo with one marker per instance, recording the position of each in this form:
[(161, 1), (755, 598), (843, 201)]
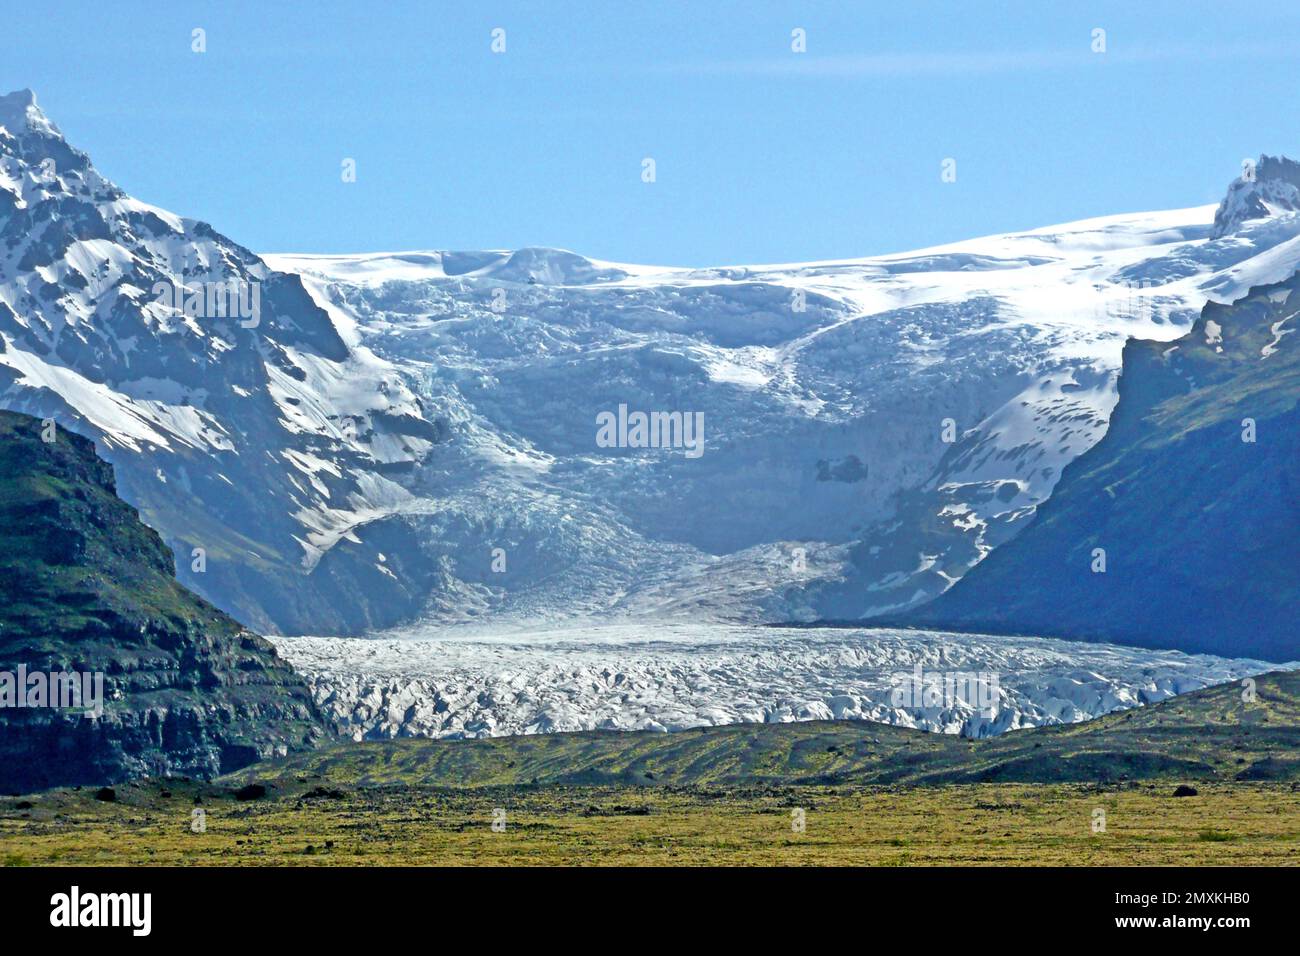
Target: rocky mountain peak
[(1265, 188), (18, 109)]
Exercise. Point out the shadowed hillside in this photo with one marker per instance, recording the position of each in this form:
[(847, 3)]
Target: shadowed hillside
[(1200, 527), (86, 587)]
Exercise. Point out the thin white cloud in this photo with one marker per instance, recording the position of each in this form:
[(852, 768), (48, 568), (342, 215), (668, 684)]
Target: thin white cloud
[(980, 63)]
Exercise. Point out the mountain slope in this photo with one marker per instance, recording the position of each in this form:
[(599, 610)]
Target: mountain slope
[(1194, 495), (260, 438), (84, 588)]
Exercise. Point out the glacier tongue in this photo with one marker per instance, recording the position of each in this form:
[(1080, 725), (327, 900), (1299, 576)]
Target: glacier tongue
[(674, 676)]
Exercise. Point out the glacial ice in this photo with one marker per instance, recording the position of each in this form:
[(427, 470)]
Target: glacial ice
[(668, 676)]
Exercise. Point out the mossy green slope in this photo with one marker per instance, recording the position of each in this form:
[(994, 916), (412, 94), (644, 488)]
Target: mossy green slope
[(86, 587)]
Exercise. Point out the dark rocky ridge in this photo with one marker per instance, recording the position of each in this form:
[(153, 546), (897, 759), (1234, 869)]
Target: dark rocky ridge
[(84, 587)]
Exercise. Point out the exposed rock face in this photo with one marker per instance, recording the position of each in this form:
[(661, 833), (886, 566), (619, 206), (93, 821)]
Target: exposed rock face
[(85, 587), (1193, 495)]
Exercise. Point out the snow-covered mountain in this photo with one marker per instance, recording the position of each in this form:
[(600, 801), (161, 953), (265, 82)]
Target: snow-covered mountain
[(1264, 189), (417, 437), (243, 436)]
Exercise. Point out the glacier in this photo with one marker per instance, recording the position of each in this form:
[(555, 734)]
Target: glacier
[(828, 489), (666, 677)]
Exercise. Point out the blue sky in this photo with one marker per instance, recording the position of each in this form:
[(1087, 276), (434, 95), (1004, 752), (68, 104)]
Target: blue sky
[(762, 154)]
